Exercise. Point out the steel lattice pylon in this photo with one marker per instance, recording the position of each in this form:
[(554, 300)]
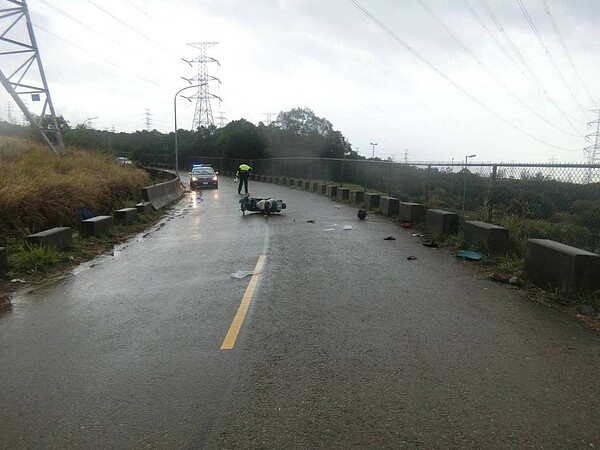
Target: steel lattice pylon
[(593, 151), (203, 115), (21, 71)]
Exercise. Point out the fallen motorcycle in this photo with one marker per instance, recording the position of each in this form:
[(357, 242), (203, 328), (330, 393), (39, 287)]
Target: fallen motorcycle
[(263, 205)]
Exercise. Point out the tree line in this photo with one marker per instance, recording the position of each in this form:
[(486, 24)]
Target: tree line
[(298, 132)]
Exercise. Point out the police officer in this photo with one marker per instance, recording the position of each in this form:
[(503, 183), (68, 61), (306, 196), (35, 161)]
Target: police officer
[(243, 173)]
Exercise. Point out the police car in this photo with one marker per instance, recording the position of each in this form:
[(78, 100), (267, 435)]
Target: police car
[(203, 176)]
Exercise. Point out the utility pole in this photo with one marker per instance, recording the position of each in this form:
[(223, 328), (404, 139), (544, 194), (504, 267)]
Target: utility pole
[(203, 115), (22, 73), (593, 151), (373, 144), (405, 156), (148, 120)]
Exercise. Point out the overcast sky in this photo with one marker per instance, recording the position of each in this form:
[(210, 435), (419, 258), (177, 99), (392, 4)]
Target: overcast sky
[(439, 79)]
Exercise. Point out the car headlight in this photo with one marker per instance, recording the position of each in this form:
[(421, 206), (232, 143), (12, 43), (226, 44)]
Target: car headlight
[(194, 179), (214, 178)]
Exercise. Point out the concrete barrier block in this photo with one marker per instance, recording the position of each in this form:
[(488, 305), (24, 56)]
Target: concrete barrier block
[(96, 226), (438, 222), (550, 264), (144, 208), (3, 261), (60, 237), (371, 200), (305, 185), (163, 193), (322, 188), (331, 190), (125, 216), (269, 179), (343, 194), (412, 212), (356, 197), (493, 238), (276, 180), (388, 206), (314, 187)]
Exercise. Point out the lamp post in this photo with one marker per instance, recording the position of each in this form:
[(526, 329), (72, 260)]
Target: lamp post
[(175, 116), (89, 119), (465, 183), (373, 145)]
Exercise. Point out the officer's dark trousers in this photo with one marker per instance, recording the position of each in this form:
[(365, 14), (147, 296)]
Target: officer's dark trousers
[(244, 181)]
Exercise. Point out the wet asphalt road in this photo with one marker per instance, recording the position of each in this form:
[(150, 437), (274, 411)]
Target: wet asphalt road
[(346, 344)]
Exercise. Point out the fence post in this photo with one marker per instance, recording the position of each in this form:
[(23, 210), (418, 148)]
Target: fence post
[(427, 185), (342, 174), (365, 185), (284, 168), (390, 182), (490, 208)]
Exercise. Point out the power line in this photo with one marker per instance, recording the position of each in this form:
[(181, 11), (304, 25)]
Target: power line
[(549, 55), (537, 83), (125, 24), (567, 52), (87, 51), (488, 71), (379, 24)]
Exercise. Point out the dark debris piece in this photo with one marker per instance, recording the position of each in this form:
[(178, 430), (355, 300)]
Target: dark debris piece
[(389, 238)]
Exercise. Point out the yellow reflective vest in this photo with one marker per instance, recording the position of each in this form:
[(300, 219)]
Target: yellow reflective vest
[(244, 168)]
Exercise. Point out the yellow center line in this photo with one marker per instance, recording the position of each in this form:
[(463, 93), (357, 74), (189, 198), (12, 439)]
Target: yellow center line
[(238, 320)]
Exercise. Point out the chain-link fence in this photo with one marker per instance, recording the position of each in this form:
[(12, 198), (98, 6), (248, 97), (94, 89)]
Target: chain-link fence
[(552, 201)]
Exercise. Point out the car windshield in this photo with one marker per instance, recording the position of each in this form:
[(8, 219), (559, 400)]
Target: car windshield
[(203, 171)]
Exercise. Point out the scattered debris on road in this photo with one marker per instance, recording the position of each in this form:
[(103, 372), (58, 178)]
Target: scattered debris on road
[(411, 258), (362, 214), (406, 224), (347, 227), (470, 255), (242, 274), (429, 243), (310, 221), (389, 238)]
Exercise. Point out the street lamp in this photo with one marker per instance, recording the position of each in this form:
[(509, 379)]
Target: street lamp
[(89, 119), (465, 183), (175, 116), (373, 145)]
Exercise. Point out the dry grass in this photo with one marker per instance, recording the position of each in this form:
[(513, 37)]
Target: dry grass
[(40, 190)]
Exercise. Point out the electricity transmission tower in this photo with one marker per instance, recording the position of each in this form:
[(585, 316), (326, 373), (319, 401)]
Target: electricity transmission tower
[(269, 117), (148, 116), (22, 74), (593, 151), (203, 115), (222, 119)]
